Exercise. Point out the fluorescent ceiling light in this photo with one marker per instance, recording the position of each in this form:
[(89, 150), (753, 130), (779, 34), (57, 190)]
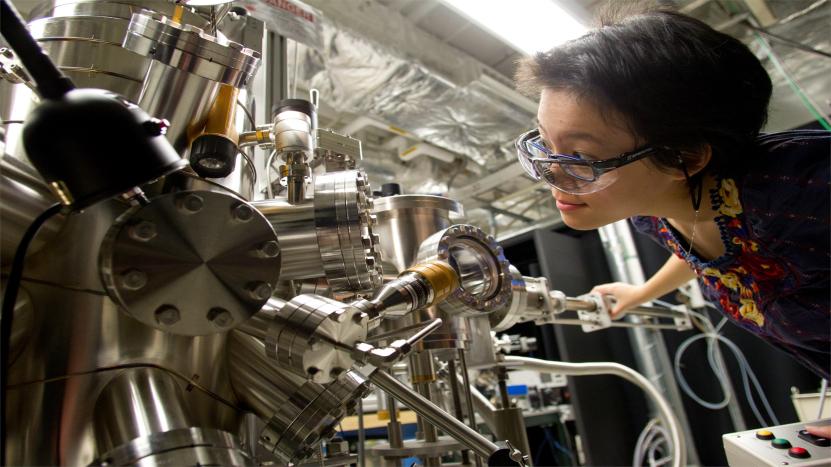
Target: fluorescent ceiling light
[(529, 25)]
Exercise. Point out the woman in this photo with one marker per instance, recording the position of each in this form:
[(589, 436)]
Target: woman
[(655, 117)]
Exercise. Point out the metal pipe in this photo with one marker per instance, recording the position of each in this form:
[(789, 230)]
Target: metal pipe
[(138, 403), (457, 401), (483, 407), (455, 428), (296, 234), (580, 305), (257, 325), (668, 417), (468, 399), (361, 434), (25, 196)]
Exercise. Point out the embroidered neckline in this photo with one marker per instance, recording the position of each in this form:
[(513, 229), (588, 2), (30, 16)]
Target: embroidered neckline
[(721, 220)]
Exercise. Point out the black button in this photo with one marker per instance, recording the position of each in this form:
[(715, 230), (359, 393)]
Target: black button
[(815, 440)]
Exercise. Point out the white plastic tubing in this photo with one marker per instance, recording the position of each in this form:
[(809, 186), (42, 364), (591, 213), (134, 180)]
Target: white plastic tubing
[(679, 456)]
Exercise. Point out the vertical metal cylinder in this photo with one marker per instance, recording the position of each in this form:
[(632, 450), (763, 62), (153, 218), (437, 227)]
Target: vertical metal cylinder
[(510, 425), (138, 403)]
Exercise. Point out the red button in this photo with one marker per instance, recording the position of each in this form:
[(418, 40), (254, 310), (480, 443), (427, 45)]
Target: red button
[(799, 453)]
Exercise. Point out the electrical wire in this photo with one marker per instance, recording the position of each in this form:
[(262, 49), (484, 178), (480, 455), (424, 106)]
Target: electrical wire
[(795, 87), (823, 389), (248, 115), (127, 366), (789, 42), (7, 317), (748, 376)]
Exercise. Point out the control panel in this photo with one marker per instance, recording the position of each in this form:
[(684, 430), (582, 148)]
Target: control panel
[(777, 446)]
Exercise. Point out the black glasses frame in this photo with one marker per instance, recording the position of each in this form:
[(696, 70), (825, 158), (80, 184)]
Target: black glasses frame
[(598, 168)]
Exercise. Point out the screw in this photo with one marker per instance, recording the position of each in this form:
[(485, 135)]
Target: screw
[(133, 279), (220, 317), (190, 203), (270, 249), (242, 212), (143, 231), (167, 315), (259, 290)]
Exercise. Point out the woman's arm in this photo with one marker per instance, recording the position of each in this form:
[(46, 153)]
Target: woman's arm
[(673, 274)]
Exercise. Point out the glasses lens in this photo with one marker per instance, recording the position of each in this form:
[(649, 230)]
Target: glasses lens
[(575, 179), (525, 152), (579, 171)]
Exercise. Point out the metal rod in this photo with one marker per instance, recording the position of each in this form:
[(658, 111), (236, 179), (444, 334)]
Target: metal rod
[(455, 428), (457, 401), (580, 305), (679, 447), (361, 434), (468, 399)]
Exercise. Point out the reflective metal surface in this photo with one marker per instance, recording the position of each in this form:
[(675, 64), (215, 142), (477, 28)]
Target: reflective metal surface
[(345, 231), (158, 261), (79, 339), (404, 221), (138, 403), (298, 413), (188, 446), (481, 265), (295, 228), (313, 336), (24, 196)]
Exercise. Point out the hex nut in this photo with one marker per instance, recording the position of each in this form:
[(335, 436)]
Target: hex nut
[(167, 315)]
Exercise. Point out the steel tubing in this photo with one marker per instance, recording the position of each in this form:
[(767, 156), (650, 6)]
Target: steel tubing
[(455, 428)]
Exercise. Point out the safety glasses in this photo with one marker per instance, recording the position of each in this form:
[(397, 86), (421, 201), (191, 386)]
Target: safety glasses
[(571, 173)]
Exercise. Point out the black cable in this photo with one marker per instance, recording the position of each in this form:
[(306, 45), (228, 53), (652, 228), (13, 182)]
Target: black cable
[(248, 114), (7, 317), (51, 83), (789, 42)]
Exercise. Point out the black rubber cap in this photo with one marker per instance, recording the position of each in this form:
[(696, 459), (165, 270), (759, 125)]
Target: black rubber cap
[(95, 145), (502, 458), (297, 105), (390, 189), (213, 156)]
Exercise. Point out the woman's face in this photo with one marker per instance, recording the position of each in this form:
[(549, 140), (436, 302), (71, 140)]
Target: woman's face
[(570, 124)]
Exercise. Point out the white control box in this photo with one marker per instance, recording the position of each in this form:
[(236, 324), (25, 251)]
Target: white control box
[(781, 445)]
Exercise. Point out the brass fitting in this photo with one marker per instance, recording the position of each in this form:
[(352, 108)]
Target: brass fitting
[(441, 276)]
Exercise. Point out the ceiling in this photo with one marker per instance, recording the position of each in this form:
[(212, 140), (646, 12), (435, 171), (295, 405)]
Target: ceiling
[(499, 197)]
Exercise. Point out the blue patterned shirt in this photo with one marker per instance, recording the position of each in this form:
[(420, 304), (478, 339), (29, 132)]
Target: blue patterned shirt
[(773, 279)]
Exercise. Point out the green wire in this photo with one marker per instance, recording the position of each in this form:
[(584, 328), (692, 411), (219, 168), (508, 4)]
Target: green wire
[(794, 86)]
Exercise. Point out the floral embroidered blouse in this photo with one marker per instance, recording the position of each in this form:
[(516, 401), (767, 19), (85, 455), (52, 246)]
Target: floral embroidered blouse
[(773, 279)]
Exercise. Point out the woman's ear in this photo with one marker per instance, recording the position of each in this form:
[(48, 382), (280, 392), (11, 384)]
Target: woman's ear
[(694, 161)]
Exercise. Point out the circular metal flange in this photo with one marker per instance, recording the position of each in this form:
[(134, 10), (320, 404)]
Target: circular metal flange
[(191, 49), (191, 263), (512, 314), (344, 225), (312, 337), (293, 435), (186, 446), (485, 281)]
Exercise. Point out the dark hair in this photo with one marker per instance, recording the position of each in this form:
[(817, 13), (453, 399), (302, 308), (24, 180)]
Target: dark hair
[(676, 82)]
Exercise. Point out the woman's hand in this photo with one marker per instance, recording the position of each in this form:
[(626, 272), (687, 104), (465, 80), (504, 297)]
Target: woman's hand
[(626, 295)]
